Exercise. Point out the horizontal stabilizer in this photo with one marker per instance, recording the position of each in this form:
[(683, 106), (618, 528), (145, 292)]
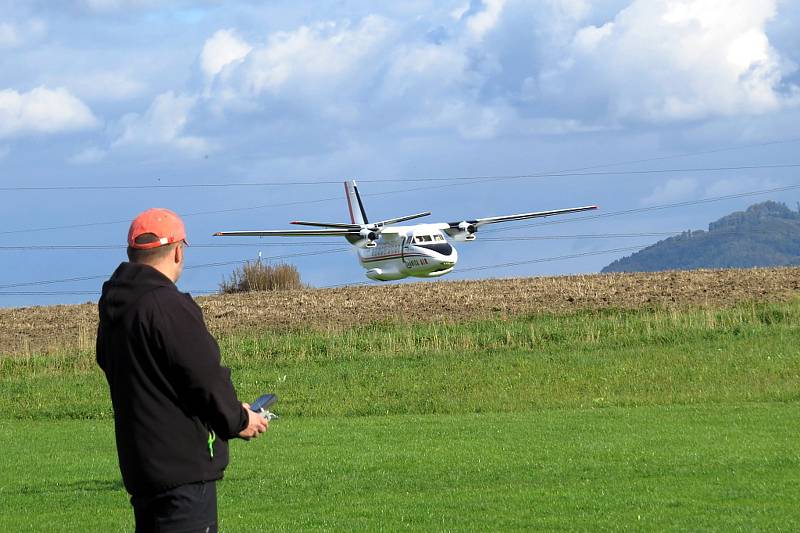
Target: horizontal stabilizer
[(326, 224), (289, 233), (402, 219)]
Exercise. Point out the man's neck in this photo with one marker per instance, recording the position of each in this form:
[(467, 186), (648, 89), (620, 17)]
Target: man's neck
[(164, 269)]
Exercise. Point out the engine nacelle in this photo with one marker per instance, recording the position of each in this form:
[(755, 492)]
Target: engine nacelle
[(466, 232), (379, 274), (368, 237)]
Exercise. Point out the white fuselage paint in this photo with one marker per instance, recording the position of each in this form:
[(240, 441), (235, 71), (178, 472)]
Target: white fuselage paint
[(403, 254), (390, 252)]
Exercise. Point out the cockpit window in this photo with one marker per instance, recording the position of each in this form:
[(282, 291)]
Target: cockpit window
[(438, 238), (427, 238)]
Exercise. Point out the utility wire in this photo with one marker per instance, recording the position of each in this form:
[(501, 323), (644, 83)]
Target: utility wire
[(49, 293), (59, 248), (517, 263), (351, 284), (63, 247), (501, 265), (239, 209), (472, 180), (548, 259), (62, 188), (309, 181), (476, 180), (78, 293), (648, 209), (483, 239), (184, 215), (191, 267)]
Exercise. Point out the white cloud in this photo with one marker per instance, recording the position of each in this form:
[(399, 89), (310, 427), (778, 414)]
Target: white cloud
[(112, 5), (469, 120), (223, 48), (674, 190), (555, 126), (665, 60), (484, 21), (88, 156), (727, 186), (43, 111), (588, 38), (480, 122), (325, 70), (16, 35), (107, 86), (313, 58), (9, 37), (337, 70), (459, 11), (162, 125), (574, 9), (425, 69), (498, 67)]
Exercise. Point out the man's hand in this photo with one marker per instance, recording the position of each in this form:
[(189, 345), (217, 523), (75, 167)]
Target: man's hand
[(256, 424)]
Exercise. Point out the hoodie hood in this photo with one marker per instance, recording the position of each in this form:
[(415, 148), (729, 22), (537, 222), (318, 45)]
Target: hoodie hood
[(128, 283)]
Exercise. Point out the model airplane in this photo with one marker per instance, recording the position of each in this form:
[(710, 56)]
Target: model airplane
[(390, 252)]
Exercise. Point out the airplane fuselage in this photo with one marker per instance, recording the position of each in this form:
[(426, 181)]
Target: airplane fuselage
[(416, 251), (389, 251)]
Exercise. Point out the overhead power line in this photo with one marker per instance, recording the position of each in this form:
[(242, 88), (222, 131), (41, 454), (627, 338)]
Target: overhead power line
[(206, 291), (574, 219), (475, 180), (649, 208), (548, 259), (517, 263), (184, 215), (63, 247), (116, 247), (555, 174), (239, 209), (316, 181), (191, 267), (50, 293), (78, 293)]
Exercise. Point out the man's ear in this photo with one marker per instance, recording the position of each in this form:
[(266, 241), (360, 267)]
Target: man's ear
[(178, 253)]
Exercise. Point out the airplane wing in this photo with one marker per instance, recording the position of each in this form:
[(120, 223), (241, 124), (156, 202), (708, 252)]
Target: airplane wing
[(289, 233), (524, 216), (468, 227)]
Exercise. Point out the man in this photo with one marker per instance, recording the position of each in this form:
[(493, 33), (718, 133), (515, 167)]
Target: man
[(175, 407)]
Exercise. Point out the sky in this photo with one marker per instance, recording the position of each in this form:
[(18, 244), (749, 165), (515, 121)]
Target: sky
[(247, 115)]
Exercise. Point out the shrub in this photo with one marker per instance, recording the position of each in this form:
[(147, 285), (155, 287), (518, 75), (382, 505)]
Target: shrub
[(257, 276)]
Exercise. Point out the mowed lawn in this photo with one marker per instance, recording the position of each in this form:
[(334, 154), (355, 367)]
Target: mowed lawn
[(654, 468), (641, 420)]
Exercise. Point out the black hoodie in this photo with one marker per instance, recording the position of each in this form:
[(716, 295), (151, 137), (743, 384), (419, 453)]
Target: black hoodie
[(174, 404)]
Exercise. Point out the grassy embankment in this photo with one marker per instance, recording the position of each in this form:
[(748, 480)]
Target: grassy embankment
[(644, 419)]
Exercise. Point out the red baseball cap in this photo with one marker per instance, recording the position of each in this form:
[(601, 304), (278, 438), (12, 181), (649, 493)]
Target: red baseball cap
[(163, 223)]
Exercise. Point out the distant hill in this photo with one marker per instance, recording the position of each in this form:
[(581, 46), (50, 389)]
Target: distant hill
[(765, 235)]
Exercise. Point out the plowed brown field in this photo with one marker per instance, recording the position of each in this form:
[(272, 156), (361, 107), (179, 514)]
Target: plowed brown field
[(65, 327)]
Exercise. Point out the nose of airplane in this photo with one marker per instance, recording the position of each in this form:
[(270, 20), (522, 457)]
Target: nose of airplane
[(441, 248), (450, 259)]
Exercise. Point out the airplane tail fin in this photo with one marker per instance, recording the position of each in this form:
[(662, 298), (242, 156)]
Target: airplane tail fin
[(356, 208)]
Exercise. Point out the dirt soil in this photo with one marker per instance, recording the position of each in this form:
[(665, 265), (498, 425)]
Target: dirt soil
[(54, 329)]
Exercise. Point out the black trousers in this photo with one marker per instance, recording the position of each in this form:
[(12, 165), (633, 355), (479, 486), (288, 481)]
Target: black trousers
[(189, 508)]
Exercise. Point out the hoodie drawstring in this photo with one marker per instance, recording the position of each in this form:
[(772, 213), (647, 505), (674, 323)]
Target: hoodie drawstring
[(211, 438)]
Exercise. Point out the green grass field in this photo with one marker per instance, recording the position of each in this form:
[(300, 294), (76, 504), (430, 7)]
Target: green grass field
[(644, 420)]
